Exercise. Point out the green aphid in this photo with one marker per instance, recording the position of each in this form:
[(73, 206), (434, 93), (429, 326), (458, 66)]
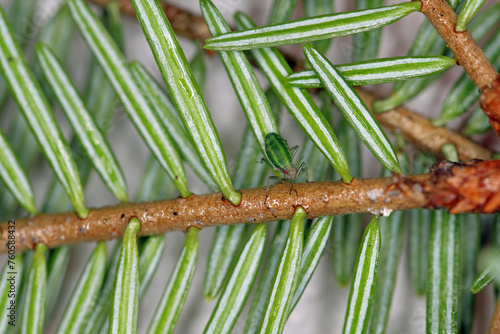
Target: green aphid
[(280, 159)]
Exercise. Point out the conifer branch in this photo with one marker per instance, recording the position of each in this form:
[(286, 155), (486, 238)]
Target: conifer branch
[(419, 130), (471, 187), (469, 55)]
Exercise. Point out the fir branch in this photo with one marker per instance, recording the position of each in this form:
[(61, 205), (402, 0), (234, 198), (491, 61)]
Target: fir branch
[(472, 187), (419, 130), (469, 55)]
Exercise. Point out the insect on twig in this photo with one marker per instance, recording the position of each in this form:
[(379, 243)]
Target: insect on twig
[(280, 159)]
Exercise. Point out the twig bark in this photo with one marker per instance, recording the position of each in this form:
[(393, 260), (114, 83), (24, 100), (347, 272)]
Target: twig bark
[(184, 23), (469, 55), (420, 131), (472, 187), (495, 321)]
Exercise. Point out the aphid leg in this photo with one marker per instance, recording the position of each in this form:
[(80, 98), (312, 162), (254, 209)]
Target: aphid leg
[(272, 177), (267, 162), (291, 188), (294, 150), (303, 168)]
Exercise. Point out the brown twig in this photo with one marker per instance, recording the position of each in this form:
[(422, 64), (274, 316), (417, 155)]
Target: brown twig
[(184, 23), (420, 131), (473, 187), (495, 321), (469, 55)]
